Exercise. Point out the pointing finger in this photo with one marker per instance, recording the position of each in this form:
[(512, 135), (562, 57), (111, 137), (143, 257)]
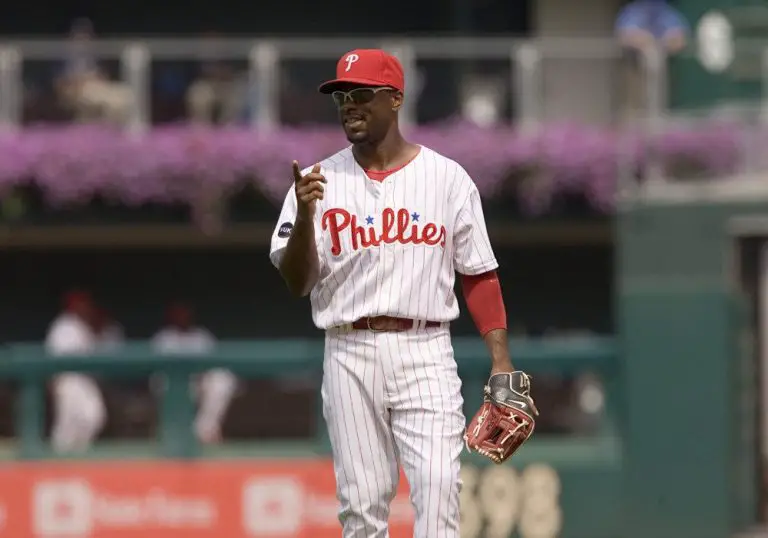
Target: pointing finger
[(296, 172)]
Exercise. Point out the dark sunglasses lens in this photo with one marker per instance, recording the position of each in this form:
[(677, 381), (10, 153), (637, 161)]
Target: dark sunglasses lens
[(361, 96)]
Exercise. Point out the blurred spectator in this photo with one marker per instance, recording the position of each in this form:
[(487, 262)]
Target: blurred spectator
[(643, 26), (79, 412), (215, 388), (220, 93), (83, 87), (80, 55), (649, 23), (109, 333)]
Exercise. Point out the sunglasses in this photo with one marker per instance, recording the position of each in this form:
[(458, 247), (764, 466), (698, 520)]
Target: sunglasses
[(358, 96)]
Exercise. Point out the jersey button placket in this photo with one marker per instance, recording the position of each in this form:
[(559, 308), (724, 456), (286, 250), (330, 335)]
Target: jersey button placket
[(379, 204), (389, 197)]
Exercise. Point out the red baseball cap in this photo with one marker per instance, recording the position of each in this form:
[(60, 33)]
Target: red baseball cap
[(367, 67), (178, 313), (77, 298)]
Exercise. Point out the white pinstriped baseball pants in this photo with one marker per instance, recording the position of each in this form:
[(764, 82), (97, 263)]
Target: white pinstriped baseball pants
[(394, 398)]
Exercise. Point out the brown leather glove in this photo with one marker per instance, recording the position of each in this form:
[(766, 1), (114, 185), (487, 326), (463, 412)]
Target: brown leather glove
[(506, 420)]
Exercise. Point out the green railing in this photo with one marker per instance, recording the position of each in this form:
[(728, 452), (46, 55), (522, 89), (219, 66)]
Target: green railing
[(585, 502), (28, 365)]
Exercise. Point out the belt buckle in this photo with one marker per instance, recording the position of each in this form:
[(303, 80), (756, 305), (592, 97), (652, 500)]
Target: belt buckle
[(370, 328)]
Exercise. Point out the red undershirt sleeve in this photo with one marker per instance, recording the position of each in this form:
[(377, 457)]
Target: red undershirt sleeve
[(484, 301)]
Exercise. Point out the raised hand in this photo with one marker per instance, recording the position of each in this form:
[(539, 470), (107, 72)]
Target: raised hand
[(309, 189)]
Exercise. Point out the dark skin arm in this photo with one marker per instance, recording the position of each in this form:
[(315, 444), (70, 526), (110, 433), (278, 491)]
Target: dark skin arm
[(300, 266), (497, 342)]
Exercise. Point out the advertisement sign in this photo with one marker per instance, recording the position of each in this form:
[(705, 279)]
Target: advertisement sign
[(248, 499)]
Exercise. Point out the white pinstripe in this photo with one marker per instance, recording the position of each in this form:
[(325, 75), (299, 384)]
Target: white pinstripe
[(393, 398), (389, 398)]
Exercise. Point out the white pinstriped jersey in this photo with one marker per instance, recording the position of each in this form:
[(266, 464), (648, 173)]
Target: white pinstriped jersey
[(392, 247)]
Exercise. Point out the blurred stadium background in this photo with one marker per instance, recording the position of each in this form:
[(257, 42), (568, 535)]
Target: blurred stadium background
[(144, 150)]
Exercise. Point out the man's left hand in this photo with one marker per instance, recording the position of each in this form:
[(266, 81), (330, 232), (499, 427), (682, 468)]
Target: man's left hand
[(506, 419)]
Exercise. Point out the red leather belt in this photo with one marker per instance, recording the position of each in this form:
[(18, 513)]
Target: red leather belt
[(390, 324)]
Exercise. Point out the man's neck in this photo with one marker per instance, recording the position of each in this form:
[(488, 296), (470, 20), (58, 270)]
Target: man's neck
[(391, 152)]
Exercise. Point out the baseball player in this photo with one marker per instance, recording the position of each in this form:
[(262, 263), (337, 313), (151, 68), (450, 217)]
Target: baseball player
[(109, 333), (79, 412), (215, 388), (374, 234)]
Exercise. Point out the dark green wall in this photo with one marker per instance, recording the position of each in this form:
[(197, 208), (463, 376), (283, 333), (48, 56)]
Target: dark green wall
[(240, 295), (691, 399)]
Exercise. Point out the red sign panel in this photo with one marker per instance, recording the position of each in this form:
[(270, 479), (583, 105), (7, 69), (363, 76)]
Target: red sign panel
[(249, 499)]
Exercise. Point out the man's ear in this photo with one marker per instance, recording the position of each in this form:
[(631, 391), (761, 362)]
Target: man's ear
[(397, 100)]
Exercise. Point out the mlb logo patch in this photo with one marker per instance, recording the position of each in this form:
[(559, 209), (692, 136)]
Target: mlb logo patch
[(285, 230)]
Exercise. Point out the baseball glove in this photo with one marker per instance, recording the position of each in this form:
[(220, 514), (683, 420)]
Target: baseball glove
[(507, 418)]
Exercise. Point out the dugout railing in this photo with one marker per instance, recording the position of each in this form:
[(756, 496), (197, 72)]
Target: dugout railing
[(574, 483)]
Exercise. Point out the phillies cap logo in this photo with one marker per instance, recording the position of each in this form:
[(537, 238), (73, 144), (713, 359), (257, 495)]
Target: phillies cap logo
[(350, 59)]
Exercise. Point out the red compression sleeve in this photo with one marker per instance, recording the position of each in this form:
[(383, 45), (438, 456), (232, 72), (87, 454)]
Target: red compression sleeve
[(484, 301)]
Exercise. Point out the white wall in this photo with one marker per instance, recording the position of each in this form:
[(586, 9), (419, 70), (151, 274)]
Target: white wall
[(578, 88)]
